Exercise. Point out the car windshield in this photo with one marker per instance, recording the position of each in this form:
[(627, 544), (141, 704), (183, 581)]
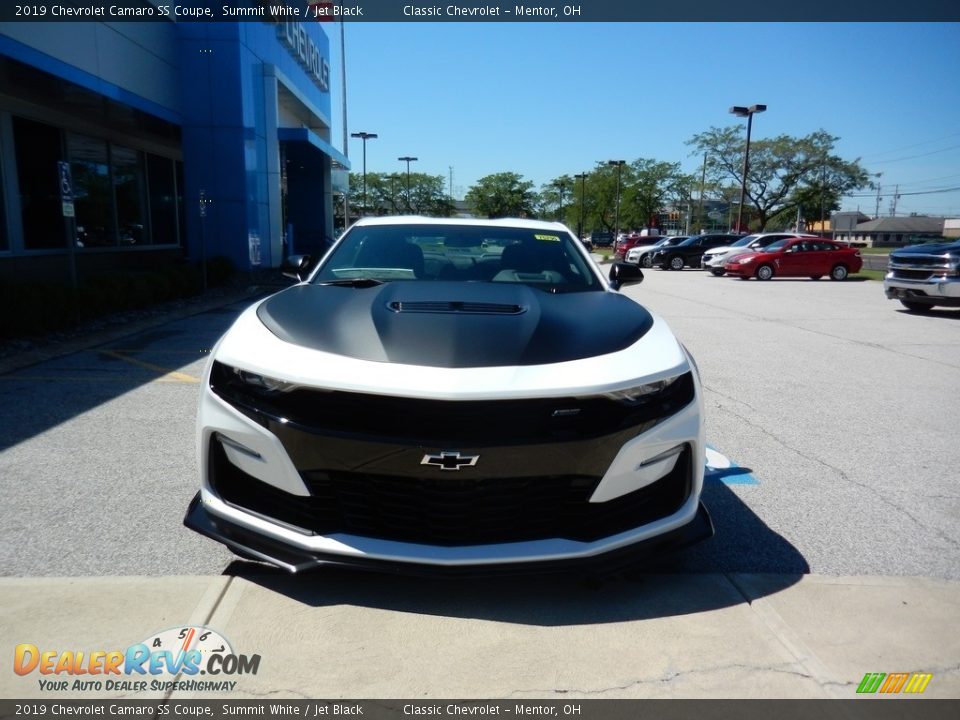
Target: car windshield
[(544, 258), (777, 246), (745, 240)]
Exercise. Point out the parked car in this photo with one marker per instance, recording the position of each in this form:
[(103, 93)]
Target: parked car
[(924, 276), (642, 255), (632, 241), (601, 239), (414, 403), (689, 252), (797, 257), (714, 259)]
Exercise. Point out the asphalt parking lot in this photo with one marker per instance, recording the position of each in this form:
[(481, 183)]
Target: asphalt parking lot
[(831, 413), (835, 407)]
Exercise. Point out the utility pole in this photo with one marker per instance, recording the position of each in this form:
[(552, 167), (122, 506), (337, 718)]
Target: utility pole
[(893, 201), (876, 212), (703, 182)]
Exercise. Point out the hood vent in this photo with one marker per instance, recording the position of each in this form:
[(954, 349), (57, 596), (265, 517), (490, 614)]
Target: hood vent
[(472, 308)]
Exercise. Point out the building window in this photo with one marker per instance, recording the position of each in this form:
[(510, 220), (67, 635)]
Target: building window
[(163, 200), (37, 149), (4, 242), (92, 191), (129, 192)]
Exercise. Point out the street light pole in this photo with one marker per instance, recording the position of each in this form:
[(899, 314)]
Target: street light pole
[(616, 221), (748, 113), (561, 187), (408, 160), (364, 136), (582, 177)]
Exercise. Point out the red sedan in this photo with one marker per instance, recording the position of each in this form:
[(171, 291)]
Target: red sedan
[(797, 257)]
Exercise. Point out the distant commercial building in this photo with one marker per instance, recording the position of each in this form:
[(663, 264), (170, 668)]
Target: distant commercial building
[(181, 140), (892, 231)]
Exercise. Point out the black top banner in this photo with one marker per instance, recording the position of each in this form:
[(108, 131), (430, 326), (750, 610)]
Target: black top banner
[(490, 11)]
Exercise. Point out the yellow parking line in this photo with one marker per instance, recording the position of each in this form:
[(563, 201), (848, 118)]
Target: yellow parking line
[(166, 374), (116, 379)]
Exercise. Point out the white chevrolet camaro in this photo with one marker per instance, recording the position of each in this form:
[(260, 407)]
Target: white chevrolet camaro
[(458, 395)]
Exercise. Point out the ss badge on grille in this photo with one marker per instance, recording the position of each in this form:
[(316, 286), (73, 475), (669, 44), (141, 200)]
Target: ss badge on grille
[(446, 460)]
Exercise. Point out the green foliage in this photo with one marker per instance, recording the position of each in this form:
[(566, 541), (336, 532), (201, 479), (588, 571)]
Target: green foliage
[(646, 188), (504, 194), (784, 172), (387, 194)]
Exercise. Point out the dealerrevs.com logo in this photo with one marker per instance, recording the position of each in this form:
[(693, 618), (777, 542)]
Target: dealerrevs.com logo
[(173, 659), (894, 683)]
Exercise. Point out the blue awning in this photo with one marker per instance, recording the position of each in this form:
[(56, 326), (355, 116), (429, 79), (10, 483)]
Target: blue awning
[(305, 135)]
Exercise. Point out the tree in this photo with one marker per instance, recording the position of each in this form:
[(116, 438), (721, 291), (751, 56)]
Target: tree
[(782, 169), (504, 194), (387, 194), (647, 187)]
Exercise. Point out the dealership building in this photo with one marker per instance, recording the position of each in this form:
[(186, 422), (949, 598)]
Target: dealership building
[(132, 145)]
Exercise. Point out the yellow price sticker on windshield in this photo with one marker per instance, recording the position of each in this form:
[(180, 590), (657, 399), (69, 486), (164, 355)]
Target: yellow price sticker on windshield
[(548, 238)]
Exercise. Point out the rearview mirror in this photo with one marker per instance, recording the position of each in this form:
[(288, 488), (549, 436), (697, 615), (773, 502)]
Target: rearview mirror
[(622, 273), (296, 267)]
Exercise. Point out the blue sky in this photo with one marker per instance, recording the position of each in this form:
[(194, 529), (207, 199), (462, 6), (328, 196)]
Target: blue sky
[(547, 99)]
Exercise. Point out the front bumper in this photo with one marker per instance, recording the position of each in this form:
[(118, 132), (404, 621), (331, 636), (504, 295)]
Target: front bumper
[(256, 546), (940, 291)]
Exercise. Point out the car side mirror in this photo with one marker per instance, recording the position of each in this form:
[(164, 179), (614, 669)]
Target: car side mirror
[(622, 273), (296, 267)]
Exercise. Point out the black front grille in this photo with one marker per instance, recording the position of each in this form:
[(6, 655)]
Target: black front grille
[(448, 423), (905, 274), (452, 511)]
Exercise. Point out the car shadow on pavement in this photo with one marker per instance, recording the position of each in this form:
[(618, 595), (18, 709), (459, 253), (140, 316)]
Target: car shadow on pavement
[(694, 580), (945, 313)]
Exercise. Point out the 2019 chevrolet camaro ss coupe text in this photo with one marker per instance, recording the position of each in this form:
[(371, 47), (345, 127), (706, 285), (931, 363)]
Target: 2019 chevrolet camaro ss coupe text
[(442, 394)]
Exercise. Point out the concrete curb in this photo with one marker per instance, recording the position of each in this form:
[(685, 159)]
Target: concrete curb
[(373, 636)]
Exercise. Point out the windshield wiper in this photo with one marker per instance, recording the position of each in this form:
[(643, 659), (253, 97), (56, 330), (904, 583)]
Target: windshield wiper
[(360, 282)]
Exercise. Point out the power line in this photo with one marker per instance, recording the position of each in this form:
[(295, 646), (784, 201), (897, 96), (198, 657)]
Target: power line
[(908, 147), (922, 192), (912, 157)]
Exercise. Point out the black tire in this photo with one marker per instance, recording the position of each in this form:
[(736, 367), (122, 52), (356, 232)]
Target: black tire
[(839, 272), (916, 307), (764, 272), (816, 277), (677, 263), (646, 262), (717, 273)]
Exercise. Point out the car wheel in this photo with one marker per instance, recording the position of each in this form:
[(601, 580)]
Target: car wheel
[(646, 262), (816, 277), (764, 272), (676, 263), (839, 272), (716, 272), (917, 307)]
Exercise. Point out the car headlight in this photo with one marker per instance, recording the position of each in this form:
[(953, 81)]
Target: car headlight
[(633, 395), (263, 382), (744, 261)]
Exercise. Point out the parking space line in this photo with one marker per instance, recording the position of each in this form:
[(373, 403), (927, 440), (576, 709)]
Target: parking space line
[(114, 379), (170, 375), (721, 469)]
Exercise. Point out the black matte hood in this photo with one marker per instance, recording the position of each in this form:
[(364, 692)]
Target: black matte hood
[(454, 324)]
